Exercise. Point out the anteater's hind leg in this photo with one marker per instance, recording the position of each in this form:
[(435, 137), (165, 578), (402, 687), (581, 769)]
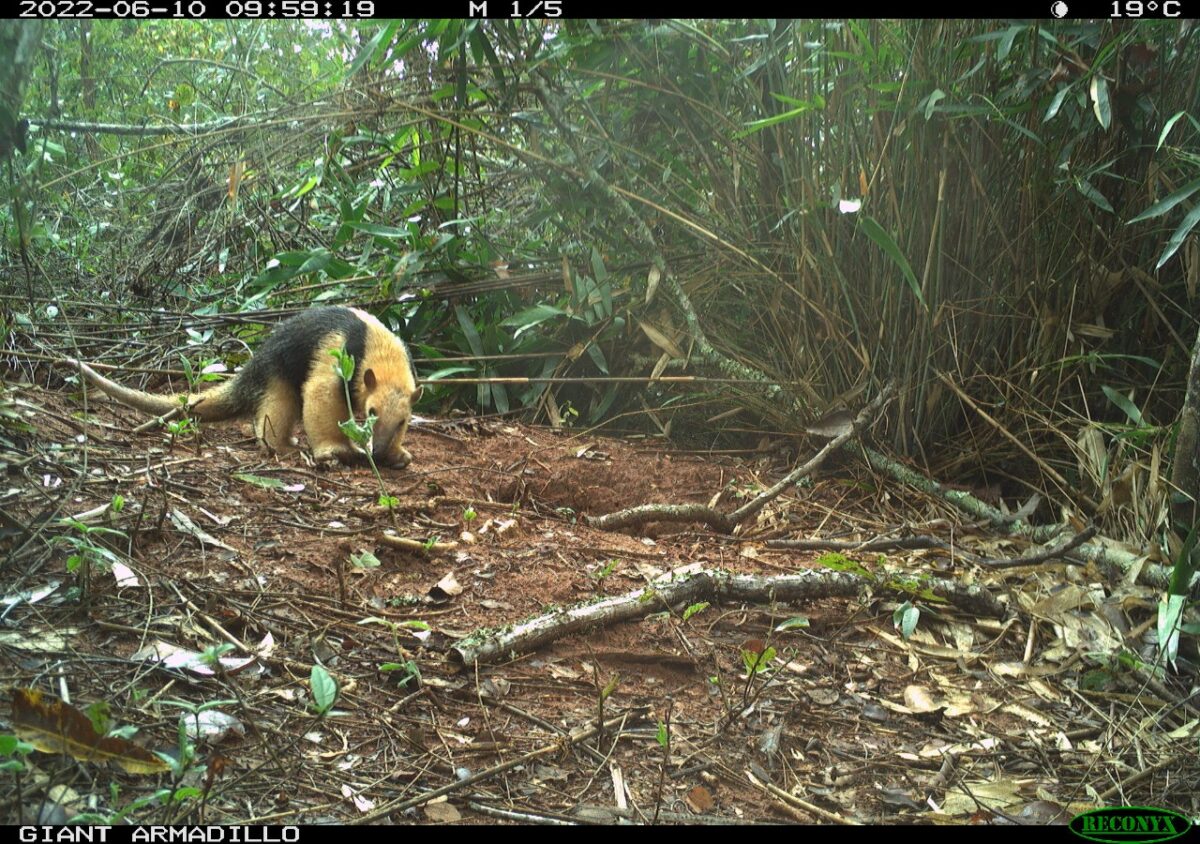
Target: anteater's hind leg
[(324, 408), (276, 417)]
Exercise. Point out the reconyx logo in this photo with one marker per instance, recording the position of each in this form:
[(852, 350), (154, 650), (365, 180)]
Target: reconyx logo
[(1141, 824)]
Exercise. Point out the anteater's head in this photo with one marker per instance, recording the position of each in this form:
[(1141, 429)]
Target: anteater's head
[(391, 405)]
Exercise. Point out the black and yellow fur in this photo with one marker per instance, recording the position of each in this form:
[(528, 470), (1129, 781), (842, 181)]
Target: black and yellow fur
[(292, 378)]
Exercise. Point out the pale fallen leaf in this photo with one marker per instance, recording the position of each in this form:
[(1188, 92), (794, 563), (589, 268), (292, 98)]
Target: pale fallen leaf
[(174, 657), (361, 803), (186, 525), (28, 596), (220, 521), (37, 639), (562, 672), (212, 726), (125, 576), (918, 699), (449, 585), (442, 812), (1028, 714)]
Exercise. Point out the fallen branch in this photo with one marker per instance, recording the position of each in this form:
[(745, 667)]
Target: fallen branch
[(726, 523), (1042, 556), (643, 513), (715, 587), (907, 543), (1104, 553), (416, 546)]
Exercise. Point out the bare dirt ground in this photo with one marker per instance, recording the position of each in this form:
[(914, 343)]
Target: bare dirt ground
[(849, 722)]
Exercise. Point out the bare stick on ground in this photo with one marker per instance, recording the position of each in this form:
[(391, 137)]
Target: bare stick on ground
[(713, 586)]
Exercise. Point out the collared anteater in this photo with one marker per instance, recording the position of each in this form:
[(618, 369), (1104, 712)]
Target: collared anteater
[(293, 377)]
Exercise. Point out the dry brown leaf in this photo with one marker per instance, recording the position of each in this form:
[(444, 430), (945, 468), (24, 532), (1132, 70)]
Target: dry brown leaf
[(699, 800), (652, 280), (56, 727), (660, 339)]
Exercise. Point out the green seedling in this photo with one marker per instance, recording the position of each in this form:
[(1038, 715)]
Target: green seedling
[(409, 670), (364, 560), (604, 572), (469, 515), (211, 655), (360, 433), (408, 673), (905, 619), (87, 553), (758, 662), (324, 690), (693, 609), (12, 761)]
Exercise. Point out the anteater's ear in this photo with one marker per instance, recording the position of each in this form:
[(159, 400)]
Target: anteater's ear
[(369, 380)]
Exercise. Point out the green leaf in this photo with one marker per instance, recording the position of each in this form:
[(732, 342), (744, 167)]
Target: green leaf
[(10, 744), (611, 686), (364, 560), (500, 397), (373, 46), (469, 330), (932, 100), (358, 434), (528, 318), (661, 735), (885, 242), (1123, 402), (1101, 107), (258, 480), (100, 715), (905, 619), (324, 689), (597, 355), (1185, 228), (1164, 205), (1162, 136), (758, 125), (447, 372), (797, 622), (1170, 612), (1006, 41), (757, 663), (693, 609), (381, 231), (1089, 190), (1056, 103)]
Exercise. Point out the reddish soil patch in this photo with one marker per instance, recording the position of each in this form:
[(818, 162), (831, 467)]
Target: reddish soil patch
[(276, 562)]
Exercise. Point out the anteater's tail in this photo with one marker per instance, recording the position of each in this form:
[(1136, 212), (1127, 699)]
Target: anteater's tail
[(215, 405)]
